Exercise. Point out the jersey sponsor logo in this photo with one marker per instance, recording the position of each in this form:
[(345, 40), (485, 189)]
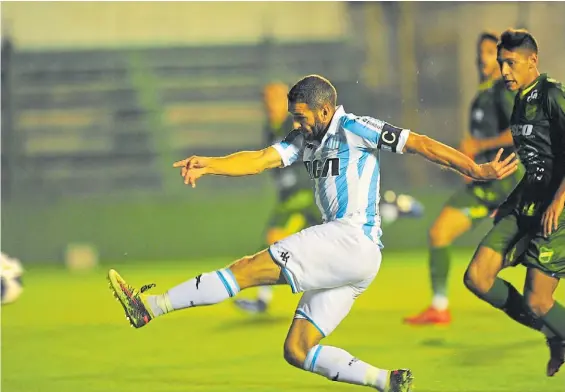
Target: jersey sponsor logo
[(522, 129), (372, 123), (390, 136), (322, 167), (533, 96)]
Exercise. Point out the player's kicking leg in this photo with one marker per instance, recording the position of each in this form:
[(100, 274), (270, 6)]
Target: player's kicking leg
[(332, 264), (205, 289), (318, 314)]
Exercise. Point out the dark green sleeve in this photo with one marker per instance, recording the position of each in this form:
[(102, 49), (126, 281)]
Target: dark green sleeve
[(556, 108), (504, 108)]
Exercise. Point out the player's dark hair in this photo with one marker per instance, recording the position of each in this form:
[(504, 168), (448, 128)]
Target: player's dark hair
[(313, 90), (488, 36), (513, 39)]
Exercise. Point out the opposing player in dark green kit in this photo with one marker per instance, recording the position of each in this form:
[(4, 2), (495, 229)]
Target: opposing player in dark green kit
[(488, 131), (530, 226)]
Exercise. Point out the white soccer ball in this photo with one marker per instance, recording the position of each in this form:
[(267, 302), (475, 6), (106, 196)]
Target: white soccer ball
[(11, 272), (388, 212)]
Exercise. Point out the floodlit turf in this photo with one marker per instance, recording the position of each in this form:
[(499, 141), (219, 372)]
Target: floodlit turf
[(67, 333)]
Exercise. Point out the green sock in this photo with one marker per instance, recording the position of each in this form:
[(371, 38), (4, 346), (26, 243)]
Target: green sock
[(555, 320), (505, 297), (439, 270)]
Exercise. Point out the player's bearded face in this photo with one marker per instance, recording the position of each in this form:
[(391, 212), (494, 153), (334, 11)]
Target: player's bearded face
[(516, 68), (312, 122)]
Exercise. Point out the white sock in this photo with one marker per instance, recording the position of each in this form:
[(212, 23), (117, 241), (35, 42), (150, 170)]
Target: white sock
[(265, 294), (338, 365), (205, 289), (440, 302)]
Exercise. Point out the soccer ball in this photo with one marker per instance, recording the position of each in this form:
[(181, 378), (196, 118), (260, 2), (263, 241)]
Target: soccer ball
[(11, 272)]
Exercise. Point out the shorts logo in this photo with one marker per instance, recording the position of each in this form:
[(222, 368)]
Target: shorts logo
[(198, 278), (284, 257), (545, 254)]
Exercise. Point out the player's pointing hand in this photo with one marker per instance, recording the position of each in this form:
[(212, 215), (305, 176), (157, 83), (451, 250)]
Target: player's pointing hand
[(192, 168), (497, 169)]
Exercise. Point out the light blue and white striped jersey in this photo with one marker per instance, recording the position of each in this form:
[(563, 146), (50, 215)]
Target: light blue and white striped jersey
[(345, 167)]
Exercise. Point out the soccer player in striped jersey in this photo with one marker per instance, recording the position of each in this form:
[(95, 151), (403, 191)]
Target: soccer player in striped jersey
[(295, 208), (331, 263)]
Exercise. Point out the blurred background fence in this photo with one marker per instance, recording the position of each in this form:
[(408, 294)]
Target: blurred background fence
[(98, 100)]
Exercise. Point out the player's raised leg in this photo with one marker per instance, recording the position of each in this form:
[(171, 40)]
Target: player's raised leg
[(318, 314), (205, 289)]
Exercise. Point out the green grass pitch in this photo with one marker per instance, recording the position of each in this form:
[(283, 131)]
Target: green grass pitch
[(67, 334)]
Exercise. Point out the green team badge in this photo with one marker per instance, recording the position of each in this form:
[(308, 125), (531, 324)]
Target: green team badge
[(545, 254), (531, 111)]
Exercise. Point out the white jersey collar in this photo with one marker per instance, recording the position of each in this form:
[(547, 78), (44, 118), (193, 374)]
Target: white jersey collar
[(336, 119)]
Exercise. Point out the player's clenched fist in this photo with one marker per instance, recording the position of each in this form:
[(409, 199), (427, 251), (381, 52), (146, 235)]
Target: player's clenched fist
[(192, 168)]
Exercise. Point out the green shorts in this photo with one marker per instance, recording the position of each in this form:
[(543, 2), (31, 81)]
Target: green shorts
[(520, 240), (478, 200)]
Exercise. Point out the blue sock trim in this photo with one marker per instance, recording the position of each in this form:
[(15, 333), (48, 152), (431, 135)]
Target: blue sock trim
[(308, 361), (318, 349), (301, 313), (235, 285), (226, 285), (287, 274)]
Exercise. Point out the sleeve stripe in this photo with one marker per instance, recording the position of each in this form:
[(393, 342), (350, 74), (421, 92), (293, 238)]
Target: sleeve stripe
[(362, 131), (281, 150)]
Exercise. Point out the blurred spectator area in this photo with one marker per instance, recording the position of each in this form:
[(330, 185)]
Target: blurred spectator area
[(91, 117), (105, 96)]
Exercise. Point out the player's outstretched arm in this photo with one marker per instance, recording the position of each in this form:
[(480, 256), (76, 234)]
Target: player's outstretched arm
[(241, 163), (446, 156)]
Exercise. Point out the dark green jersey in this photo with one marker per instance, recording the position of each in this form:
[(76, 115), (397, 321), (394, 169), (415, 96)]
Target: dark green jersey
[(490, 114), (292, 178), (538, 129)]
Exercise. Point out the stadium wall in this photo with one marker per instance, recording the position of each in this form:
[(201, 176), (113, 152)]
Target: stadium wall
[(43, 25)]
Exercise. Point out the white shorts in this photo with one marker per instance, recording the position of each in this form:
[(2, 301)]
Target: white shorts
[(333, 263)]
